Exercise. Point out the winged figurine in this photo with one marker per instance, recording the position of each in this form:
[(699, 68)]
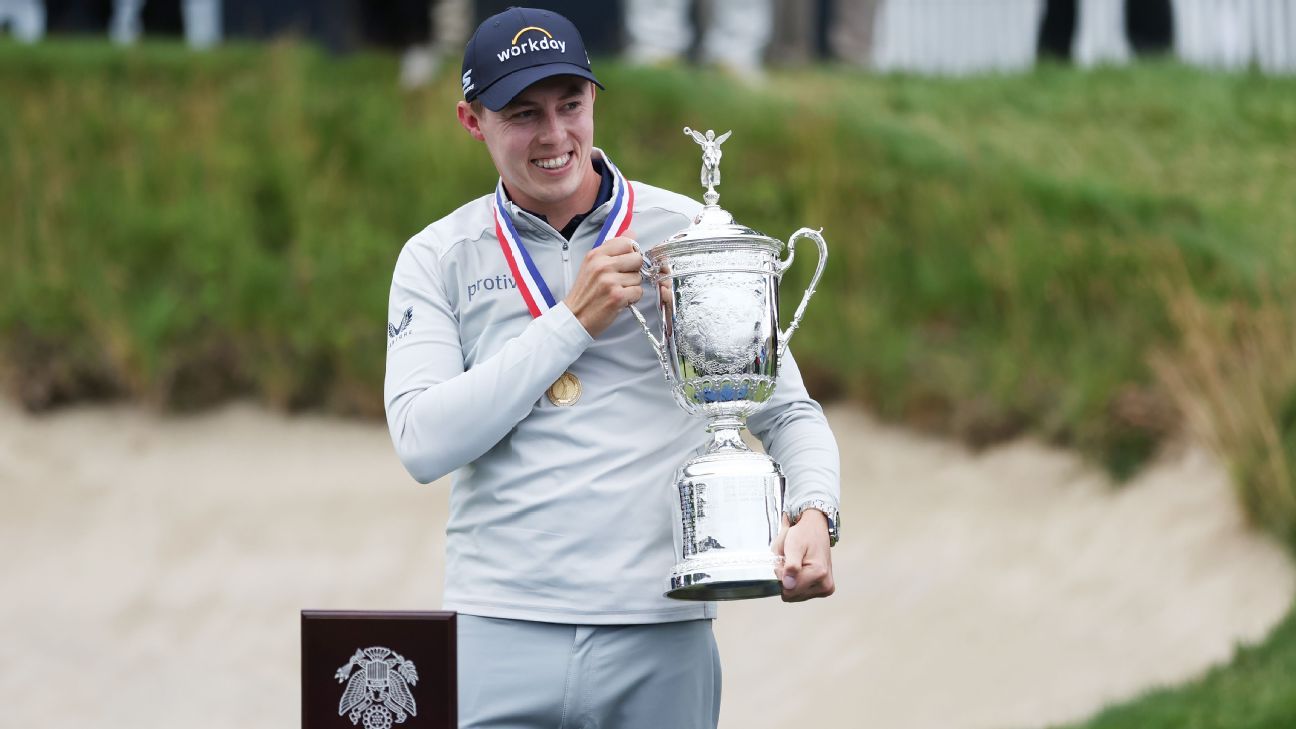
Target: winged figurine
[(710, 155)]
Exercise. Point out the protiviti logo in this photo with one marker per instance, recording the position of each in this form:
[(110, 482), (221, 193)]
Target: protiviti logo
[(532, 44)]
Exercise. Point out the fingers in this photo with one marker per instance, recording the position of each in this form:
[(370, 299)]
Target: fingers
[(629, 236), (631, 294), (623, 252), (628, 263), (807, 565), (626, 242), (777, 547), (609, 280), (809, 580)]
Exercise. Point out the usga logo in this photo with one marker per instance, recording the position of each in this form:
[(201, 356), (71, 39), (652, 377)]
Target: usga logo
[(548, 42)]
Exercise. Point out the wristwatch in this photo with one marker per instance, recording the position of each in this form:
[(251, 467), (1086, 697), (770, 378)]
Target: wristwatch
[(830, 511)]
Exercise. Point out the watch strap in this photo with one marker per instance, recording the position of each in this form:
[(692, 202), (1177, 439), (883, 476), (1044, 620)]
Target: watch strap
[(828, 510)]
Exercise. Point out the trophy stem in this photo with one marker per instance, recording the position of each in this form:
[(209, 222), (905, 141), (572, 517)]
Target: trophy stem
[(726, 434)]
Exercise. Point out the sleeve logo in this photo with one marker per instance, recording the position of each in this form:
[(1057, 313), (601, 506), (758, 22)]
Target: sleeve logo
[(396, 333)]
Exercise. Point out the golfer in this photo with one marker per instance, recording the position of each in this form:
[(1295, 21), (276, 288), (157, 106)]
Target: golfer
[(513, 363)]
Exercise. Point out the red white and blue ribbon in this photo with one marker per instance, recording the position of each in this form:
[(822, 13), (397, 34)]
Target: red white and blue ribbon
[(530, 283)]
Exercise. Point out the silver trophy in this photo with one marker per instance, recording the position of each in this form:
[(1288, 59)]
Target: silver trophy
[(720, 348)]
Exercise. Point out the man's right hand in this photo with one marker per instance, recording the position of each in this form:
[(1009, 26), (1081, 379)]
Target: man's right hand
[(608, 282)]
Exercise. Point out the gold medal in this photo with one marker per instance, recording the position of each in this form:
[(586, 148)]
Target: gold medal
[(565, 391)]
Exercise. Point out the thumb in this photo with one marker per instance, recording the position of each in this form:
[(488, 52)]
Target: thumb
[(793, 554)]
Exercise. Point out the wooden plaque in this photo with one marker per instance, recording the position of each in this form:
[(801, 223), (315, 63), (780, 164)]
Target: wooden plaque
[(378, 670)]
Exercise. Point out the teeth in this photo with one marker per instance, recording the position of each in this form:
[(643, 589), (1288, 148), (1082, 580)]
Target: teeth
[(552, 163)]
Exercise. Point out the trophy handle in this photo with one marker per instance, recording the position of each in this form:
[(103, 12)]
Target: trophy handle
[(814, 235), (646, 270), (656, 344)]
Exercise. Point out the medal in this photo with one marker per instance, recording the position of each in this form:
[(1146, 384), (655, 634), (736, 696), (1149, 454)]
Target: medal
[(565, 391), (531, 285)]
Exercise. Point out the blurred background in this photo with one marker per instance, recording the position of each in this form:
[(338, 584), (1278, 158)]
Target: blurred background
[(1056, 334)]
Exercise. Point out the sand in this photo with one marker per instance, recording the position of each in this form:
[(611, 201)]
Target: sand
[(155, 567)]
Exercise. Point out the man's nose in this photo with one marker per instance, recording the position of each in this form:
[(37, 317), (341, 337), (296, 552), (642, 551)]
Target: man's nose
[(550, 129)]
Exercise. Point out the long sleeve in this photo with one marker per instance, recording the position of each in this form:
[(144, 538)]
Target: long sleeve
[(442, 417), (794, 431)]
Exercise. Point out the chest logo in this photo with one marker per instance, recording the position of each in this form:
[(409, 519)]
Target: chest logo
[(378, 693), (492, 283)]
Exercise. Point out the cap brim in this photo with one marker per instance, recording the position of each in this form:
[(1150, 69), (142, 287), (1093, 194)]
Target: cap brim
[(499, 94)]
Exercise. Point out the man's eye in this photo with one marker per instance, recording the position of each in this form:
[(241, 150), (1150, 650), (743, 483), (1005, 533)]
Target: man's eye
[(525, 114), (572, 105)]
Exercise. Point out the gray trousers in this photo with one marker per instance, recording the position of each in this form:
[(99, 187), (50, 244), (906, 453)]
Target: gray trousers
[(517, 674)]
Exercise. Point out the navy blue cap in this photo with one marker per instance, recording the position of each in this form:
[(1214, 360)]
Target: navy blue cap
[(518, 47)]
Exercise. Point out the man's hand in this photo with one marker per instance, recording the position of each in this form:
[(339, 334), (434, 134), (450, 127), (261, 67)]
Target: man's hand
[(807, 559), (608, 282)]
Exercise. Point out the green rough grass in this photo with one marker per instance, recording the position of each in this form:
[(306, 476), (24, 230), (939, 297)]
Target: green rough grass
[(186, 227), (1257, 690)]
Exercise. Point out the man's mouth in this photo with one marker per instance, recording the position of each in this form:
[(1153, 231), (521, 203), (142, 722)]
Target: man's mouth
[(552, 163)]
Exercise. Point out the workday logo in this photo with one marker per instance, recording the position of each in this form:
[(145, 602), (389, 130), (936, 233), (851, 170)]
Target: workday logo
[(531, 44)]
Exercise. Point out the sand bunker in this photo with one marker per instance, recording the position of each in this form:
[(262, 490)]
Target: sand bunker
[(155, 566)]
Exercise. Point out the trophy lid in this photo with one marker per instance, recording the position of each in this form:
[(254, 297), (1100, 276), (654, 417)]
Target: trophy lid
[(714, 227)]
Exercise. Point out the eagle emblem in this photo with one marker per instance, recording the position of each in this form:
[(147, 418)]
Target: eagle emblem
[(393, 330), (378, 694)]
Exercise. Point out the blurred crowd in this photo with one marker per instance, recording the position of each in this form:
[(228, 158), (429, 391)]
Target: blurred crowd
[(739, 36)]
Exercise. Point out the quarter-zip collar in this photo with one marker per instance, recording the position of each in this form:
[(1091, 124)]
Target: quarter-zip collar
[(602, 203)]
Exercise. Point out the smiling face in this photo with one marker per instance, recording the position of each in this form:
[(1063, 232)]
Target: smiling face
[(541, 144)]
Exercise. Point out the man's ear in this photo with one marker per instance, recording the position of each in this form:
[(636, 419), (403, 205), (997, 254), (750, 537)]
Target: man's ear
[(469, 120)]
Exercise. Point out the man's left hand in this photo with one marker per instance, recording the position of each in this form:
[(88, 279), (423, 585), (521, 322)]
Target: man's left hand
[(807, 559)]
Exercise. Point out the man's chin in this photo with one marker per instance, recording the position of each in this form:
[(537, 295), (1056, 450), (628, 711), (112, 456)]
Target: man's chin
[(551, 192)]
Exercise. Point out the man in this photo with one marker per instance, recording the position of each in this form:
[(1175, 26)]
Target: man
[(513, 362)]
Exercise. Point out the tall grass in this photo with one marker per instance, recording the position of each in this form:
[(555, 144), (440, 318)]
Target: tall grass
[(1233, 376)]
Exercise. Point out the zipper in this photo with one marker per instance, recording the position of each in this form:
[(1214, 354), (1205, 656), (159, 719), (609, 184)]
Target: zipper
[(566, 252), (566, 256)]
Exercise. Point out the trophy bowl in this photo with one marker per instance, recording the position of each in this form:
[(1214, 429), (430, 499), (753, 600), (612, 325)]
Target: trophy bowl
[(720, 346)]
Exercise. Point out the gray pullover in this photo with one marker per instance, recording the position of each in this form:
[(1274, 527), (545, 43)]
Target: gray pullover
[(557, 514)]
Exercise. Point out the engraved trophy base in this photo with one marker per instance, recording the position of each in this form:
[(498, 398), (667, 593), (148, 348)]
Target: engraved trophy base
[(729, 513)]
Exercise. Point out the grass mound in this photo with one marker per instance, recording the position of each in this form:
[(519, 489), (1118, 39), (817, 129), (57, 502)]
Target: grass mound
[(180, 228)]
